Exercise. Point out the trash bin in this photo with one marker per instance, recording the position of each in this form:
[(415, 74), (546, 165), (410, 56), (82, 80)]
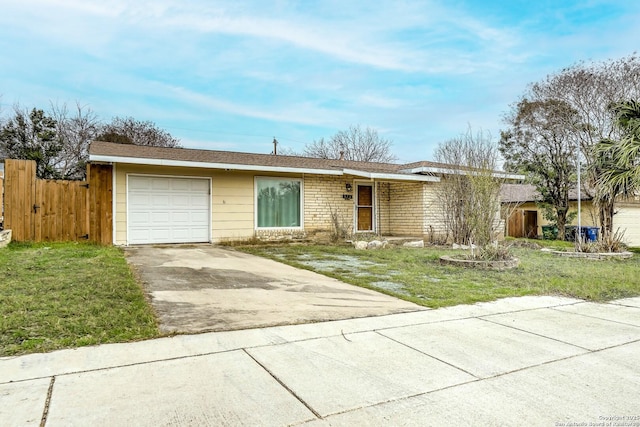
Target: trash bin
[(570, 233), (590, 234), (549, 232)]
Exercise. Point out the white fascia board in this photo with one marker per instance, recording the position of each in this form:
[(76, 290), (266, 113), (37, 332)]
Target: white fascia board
[(207, 165), (391, 176), (512, 176), (425, 169)]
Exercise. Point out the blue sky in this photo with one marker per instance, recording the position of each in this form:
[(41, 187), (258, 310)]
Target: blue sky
[(231, 75)]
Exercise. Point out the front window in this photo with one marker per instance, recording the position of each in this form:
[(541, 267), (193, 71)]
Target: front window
[(278, 202)]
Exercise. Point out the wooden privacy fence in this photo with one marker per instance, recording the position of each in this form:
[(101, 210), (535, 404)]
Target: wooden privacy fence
[(57, 210)]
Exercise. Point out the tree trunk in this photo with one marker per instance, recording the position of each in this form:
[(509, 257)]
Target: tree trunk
[(561, 222), (606, 209)]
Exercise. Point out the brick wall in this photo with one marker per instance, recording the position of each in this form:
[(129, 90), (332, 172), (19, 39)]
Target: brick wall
[(383, 190), (323, 195), (434, 226), (406, 208)]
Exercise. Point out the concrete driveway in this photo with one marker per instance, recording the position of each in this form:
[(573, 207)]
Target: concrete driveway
[(208, 288)]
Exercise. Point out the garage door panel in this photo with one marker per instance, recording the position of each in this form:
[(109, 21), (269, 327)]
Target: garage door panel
[(137, 198), (199, 202), (141, 183), (139, 234), (136, 218), (200, 186), (199, 217), (180, 217), (180, 233), (160, 201), (160, 218), (168, 210), (160, 184), (181, 185)]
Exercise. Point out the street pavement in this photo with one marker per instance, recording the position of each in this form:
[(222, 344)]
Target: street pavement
[(548, 361)]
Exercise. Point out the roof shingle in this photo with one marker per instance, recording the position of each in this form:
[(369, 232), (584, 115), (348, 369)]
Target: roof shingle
[(100, 148)]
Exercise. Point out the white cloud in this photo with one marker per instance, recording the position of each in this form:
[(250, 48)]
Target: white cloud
[(305, 113)]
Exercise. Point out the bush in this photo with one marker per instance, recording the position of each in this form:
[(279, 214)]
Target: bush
[(609, 242), (492, 252)]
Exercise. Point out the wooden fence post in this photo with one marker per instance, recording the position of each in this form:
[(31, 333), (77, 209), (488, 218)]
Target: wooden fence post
[(100, 204)]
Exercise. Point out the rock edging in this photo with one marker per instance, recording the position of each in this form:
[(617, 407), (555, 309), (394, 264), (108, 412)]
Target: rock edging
[(594, 256), (481, 264)]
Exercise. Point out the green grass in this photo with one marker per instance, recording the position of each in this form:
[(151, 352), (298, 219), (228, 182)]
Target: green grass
[(59, 295), (416, 274)]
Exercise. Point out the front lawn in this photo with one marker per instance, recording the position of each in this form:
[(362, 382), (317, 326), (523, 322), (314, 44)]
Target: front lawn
[(416, 274), (58, 295)]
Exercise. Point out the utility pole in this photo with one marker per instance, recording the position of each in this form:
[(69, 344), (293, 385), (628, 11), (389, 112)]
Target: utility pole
[(275, 146), (579, 200)]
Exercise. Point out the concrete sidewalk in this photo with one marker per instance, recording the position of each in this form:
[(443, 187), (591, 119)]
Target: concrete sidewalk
[(546, 361)]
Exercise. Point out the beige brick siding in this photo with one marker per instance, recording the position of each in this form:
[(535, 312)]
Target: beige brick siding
[(433, 214), (323, 195), (383, 198), (406, 208)]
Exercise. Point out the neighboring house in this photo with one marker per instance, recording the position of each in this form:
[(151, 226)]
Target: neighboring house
[(526, 217), (176, 195)]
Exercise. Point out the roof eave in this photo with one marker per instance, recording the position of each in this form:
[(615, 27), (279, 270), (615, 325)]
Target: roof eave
[(391, 176), (452, 171), (209, 165)]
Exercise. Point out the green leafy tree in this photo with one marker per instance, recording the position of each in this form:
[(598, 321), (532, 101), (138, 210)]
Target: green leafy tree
[(32, 135), (540, 144), (621, 176)]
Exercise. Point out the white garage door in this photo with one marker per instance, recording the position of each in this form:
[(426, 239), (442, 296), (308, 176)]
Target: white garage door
[(167, 210), (627, 219)]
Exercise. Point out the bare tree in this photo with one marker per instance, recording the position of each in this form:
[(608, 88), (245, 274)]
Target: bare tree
[(469, 193), (354, 143), (127, 130), (590, 89), (76, 130)]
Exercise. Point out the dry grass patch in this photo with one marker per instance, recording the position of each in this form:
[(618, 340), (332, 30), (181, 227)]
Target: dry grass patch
[(416, 274)]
